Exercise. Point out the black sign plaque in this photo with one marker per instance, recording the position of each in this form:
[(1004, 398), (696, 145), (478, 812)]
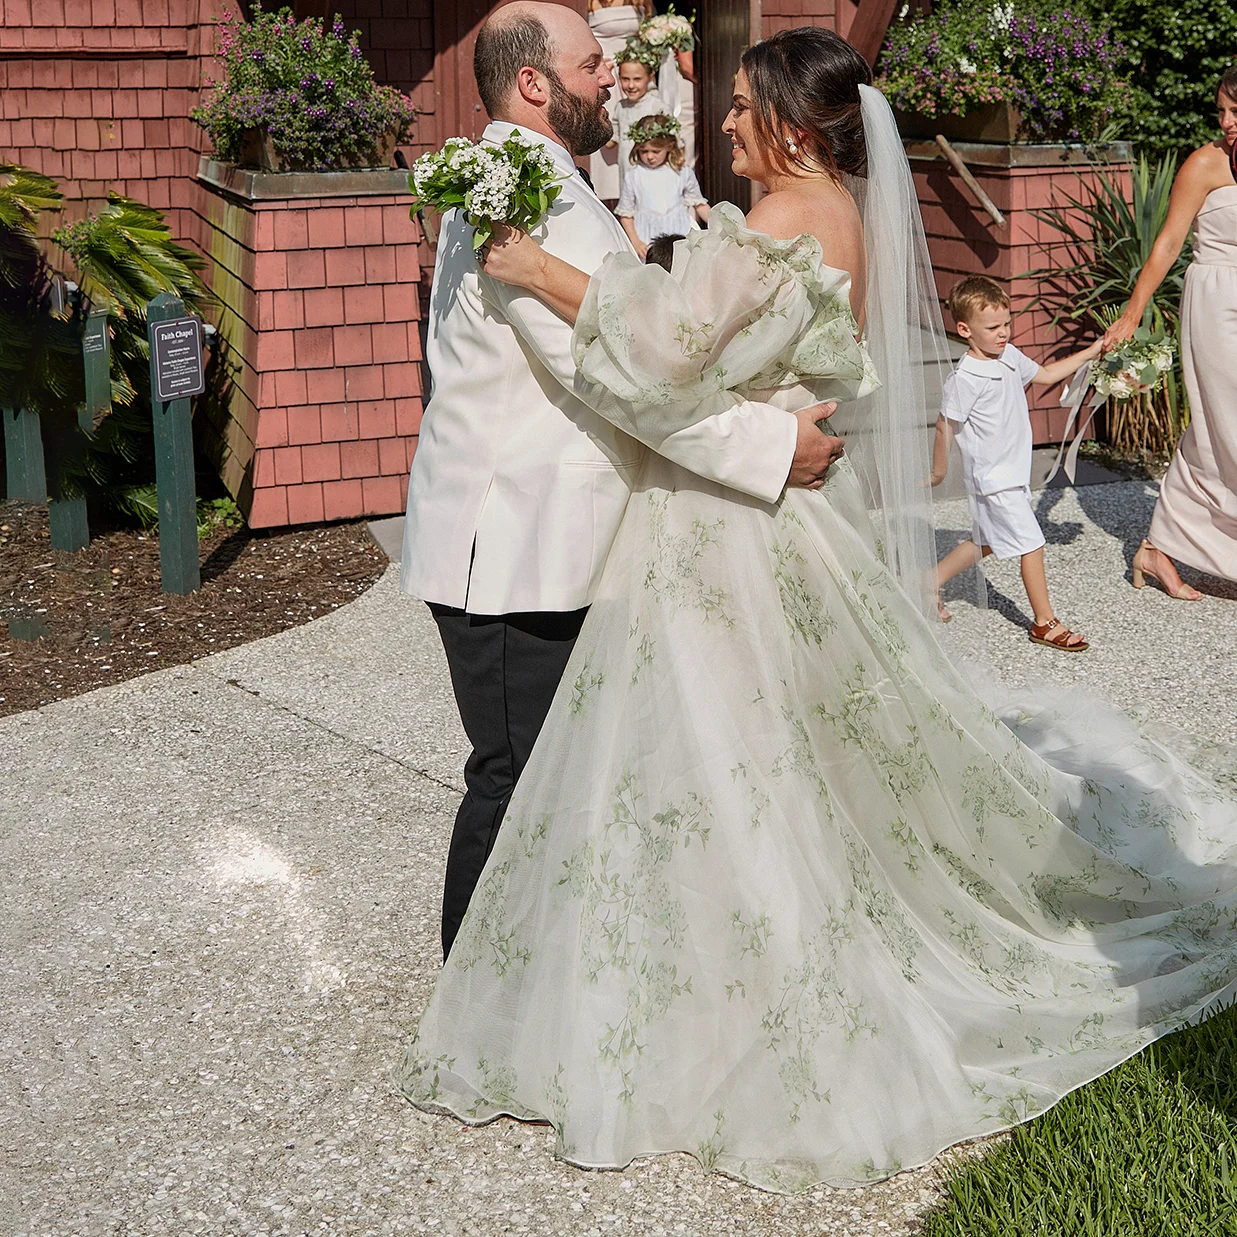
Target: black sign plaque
[(176, 348)]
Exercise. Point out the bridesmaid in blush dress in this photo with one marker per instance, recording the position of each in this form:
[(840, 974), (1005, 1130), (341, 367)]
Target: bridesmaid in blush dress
[(1195, 519)]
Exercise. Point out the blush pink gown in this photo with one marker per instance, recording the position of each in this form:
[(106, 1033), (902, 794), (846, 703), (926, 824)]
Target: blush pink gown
[(1195, 518)]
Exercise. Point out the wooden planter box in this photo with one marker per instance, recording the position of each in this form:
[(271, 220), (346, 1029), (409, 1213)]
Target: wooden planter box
[(998, 122), (258, 154), (1020, 179), (318, 279)]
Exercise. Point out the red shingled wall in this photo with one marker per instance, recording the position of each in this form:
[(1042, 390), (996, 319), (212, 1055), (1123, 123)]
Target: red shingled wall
[(326, 402), (778, 15), (97, 93), (319, 307)]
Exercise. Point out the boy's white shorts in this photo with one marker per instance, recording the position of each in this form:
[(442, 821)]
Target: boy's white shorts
[(1005, 522)]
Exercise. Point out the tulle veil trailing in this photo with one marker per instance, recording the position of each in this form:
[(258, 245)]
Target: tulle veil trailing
[(889, 433)]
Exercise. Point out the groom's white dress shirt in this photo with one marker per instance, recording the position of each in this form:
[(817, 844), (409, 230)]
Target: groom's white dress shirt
[(518, 485)]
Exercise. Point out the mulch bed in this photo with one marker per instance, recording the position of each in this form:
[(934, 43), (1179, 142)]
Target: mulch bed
[(99, 616)]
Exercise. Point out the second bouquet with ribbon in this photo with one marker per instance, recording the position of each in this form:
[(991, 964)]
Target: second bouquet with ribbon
[(513, 182)]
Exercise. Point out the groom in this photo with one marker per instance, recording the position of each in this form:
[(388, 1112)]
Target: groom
[(518, 485)]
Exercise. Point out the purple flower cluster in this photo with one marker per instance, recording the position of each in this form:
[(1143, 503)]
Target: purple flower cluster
[(1063, 71), (1057, 67), (310, 89)]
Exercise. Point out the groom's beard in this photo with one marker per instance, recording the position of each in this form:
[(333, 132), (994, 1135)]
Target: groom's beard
[(583, 127)]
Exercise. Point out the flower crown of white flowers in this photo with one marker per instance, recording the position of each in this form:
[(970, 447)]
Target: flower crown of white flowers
[(641, 53), (650, 128)]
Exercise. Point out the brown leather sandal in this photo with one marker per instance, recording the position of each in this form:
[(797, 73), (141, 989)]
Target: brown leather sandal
[(1039, 635)]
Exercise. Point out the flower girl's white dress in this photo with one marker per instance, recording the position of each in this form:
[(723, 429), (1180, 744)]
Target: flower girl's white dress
[(777, 888)]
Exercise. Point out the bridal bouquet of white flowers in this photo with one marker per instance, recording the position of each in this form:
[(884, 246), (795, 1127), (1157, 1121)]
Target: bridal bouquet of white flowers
[(668, 32), (1135, 367), (513, 183)]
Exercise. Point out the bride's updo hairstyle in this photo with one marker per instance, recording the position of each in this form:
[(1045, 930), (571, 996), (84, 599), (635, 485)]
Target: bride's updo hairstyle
[(807, 80)]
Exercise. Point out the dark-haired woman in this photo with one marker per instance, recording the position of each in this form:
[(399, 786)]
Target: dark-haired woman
[(777, 888), (1195, 518)]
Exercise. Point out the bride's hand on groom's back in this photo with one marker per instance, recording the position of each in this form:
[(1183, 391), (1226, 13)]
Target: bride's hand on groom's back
[(815, 450)]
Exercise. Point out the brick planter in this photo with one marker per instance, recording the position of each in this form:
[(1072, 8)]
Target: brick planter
[(963, 240), (318, 277)]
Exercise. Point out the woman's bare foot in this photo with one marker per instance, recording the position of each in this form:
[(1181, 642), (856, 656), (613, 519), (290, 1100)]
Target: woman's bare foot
[(1148, 561)]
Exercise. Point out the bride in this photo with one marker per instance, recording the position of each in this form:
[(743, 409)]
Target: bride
[(778, 888)]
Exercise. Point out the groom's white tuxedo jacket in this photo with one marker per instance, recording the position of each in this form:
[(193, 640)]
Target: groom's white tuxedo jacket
[(518, 485)]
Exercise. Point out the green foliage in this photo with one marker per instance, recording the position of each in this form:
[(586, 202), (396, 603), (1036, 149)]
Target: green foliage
[(1108, 239), (39, 341), (1177, 50), (1150, 1148), (215, 513), (310, 89), (123, 257)]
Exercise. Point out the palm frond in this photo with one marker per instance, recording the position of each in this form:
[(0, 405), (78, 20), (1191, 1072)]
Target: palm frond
[(1106, 238), (126, 256), (24, 196)]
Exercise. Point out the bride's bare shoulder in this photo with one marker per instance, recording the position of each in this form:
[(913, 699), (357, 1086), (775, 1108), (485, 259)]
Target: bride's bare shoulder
[(783, 214), (825, 212)]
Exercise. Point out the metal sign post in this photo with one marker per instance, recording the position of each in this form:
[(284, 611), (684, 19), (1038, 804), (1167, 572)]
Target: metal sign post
[(176, 373)]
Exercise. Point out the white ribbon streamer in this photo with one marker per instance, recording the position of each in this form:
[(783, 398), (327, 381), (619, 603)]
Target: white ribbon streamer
[(1073, 397)]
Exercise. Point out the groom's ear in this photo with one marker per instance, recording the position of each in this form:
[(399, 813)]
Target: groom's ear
[(532, 86)]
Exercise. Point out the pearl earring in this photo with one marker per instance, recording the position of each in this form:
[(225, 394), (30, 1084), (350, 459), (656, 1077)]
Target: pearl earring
[(790, 146)]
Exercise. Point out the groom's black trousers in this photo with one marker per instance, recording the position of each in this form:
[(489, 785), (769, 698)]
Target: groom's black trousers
[(505, 670)]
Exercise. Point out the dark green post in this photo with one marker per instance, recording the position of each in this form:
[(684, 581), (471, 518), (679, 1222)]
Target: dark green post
[(172, 382), (25, 473), (67, 516)]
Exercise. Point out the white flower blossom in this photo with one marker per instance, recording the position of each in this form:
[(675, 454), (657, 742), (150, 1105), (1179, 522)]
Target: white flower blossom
[(967, 66)]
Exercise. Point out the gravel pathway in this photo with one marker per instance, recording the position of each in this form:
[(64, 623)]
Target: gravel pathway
[(222, 882)]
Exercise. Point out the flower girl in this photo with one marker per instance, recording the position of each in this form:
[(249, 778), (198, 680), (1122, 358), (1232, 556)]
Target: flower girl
[(634, 67), (659, 194)]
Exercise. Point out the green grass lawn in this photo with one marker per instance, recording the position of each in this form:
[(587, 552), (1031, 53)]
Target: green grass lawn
[(1149, 1150)]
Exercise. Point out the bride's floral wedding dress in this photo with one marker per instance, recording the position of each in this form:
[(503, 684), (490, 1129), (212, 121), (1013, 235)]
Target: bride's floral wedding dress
[(778, 888)]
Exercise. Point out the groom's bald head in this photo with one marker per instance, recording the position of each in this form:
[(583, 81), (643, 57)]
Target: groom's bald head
[(540, 66), (519, 35)]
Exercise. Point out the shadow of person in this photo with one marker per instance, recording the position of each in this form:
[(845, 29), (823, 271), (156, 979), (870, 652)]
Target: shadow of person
[(1007, 608), (1055, 533)]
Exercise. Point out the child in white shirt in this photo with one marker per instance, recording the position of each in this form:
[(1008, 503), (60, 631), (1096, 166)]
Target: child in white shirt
[(984, 407), (635, 67), (660, 194)]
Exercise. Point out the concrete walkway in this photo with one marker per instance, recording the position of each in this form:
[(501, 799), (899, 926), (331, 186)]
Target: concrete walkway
[(221, 884)]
